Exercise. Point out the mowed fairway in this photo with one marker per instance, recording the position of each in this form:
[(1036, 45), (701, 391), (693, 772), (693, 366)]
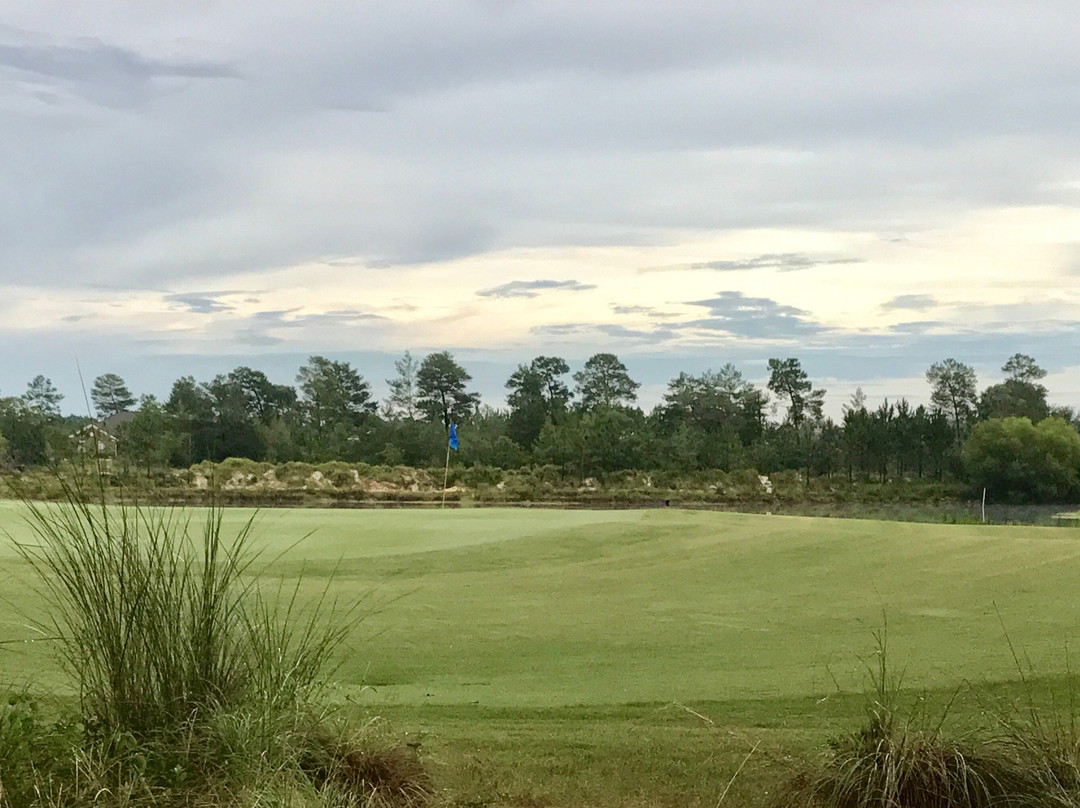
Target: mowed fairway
[(543, 608)]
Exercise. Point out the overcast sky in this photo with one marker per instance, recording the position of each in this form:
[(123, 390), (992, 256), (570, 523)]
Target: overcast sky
[(870, 187)]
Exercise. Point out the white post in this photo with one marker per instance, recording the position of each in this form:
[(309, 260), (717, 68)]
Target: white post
[(984, 506), (446, 474)]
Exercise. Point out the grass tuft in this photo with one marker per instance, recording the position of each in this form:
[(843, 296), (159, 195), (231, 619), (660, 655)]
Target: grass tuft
[(390, 776), (896, 761), (196, 685)]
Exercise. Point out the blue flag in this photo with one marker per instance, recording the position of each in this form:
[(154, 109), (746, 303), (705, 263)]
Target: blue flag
[(453, 437)]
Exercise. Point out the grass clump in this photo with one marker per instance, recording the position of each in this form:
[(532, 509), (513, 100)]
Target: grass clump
[(196, 685), (361, 766), (895, 761), (889, 766)]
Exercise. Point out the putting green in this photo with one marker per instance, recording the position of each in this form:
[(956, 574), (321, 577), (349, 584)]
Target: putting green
[(531, 608)]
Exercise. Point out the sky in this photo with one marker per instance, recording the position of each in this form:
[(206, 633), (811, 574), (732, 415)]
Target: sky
[(868, 187)]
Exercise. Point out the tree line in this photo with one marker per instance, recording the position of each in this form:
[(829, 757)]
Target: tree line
[(586, 424)]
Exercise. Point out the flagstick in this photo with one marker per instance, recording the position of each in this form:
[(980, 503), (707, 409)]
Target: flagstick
[(446, 474)]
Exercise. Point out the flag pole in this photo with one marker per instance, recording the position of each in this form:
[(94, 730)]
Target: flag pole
[(446, 475)]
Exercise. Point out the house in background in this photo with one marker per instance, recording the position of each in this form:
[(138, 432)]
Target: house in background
[(101, 438), (114, 423), (94, 439)]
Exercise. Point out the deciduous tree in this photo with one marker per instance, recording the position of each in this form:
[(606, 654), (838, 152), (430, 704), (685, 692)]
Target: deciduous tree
[(1011, 457)]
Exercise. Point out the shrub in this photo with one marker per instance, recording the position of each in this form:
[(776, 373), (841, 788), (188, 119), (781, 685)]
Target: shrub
[(478, 474), (1014, 458), (295, 473), (338, 474)]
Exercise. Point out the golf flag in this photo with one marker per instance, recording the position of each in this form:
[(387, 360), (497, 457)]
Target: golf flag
[(453, 437)]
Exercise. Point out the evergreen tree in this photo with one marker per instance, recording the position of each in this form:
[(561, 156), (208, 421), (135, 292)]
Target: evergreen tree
[(110, 395), (604, 382), (149, 438), (537, 395), (953, 392), (337, 402), (43, 397), (1020, 395), (403, 389), (789, 381), (441, 393)]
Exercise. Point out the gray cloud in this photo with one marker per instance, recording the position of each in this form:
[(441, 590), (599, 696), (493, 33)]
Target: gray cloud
[(200, 302), (97, 71), (918, 326), (334, 319), (256, 338), (258, 329), (901, 353), (784, 262), (592, 331), (562, 329), (273, 315), (399, 135), (911, 302), (533, 288), (648, 311), (906, 352), (755, 317), (270, 327)]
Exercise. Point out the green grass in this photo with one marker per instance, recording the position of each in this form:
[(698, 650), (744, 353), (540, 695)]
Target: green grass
[(540, 652)]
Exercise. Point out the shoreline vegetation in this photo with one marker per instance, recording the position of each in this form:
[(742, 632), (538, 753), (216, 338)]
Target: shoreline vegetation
[(713, 438), (245, 483)]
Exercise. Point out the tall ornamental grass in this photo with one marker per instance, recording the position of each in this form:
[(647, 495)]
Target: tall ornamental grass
[(907, 761), (159, 621), (196, 682)]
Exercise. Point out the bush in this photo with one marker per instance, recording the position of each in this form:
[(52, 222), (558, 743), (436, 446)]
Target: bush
[(1013, 458), (477, 474), (367, 767)]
